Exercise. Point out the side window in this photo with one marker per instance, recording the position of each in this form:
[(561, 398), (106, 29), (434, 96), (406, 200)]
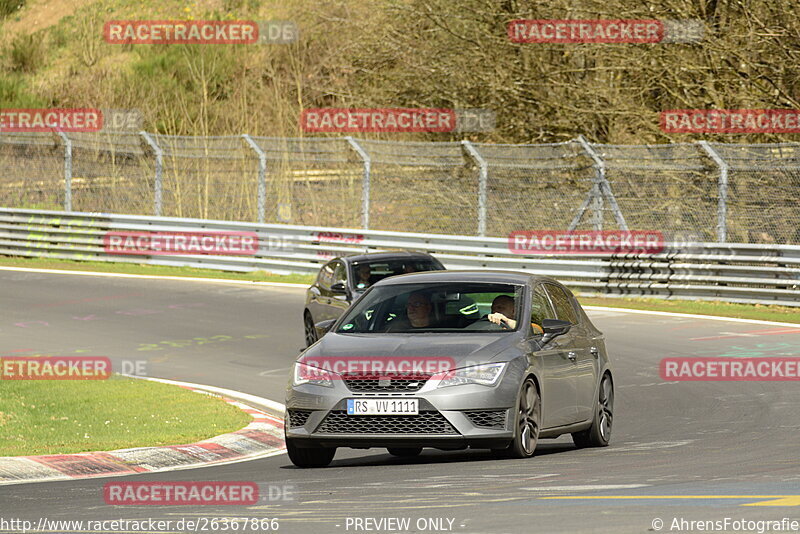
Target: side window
[(540, 307), (563, 304), (339, 273), (326, 275)]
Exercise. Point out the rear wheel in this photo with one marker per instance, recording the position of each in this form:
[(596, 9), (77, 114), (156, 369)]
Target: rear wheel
[(309, 457), (599, 434), (310, 330), (404, 451), (528, 421)]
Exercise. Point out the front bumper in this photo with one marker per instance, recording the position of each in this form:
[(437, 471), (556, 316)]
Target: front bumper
[(453, 417)]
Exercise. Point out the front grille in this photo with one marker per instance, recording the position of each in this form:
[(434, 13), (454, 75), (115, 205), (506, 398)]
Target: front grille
[(389, 384), (430, 422), (298, 417), (487, 418)]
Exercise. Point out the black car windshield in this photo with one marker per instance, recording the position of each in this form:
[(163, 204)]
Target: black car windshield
[(366, 273), (441, 307)]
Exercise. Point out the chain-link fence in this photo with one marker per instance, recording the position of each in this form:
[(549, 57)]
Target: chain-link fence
[(700, 191)]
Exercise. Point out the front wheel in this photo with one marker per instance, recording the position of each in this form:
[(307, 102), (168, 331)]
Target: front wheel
[(599, 434), (309, 457), (310, 330), (528, 421)]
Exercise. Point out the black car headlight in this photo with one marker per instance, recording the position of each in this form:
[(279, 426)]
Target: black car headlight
[(307, 374)]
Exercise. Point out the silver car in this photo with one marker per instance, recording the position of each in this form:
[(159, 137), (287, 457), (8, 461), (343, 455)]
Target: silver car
[(450, 360)]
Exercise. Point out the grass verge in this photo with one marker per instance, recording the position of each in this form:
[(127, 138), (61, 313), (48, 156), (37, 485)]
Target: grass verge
[(151, 270), (70, 416), (723, 309)]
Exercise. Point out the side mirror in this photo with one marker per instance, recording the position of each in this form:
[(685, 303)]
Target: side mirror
[(339, 288), (554, 328), (323, 327)]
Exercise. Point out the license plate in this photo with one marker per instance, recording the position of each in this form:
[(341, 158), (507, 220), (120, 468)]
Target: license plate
[(383, 406)]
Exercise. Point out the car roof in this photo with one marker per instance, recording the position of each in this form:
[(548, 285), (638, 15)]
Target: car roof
[(497, 276), (388, 255)]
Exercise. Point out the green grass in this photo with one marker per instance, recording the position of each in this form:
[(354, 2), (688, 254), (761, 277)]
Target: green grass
[(69, 416), (152, 270), (744, 311)]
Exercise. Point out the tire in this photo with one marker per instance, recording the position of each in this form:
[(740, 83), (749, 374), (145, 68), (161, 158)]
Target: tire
[(309, 457), (310, 330), (404, 452), (528, 423), (599, 434)]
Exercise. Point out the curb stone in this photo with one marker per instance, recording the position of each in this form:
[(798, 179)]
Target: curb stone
[(262, 437)]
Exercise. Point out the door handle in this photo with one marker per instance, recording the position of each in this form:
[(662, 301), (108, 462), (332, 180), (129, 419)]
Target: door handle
[(572, 356), (595, 352)]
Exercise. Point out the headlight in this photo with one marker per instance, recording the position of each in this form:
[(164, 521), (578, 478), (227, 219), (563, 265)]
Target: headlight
[(306, 374), (484, 375)]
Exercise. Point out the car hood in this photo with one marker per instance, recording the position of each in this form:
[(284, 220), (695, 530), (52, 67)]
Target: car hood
[(460, 349)]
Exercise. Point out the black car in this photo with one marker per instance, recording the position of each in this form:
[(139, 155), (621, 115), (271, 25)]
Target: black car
[(342, 280)]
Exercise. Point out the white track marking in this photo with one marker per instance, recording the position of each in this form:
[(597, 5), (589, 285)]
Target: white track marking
[(271, 404), (692, 316), (155, 277)]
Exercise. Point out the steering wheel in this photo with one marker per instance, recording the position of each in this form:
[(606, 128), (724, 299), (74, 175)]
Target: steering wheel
[(485, 324)]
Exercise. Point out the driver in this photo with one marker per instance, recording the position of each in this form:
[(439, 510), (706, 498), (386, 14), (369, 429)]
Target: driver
[(418, 313), (363, 272)]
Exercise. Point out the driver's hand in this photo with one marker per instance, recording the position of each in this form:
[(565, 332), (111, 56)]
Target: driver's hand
[(497, 318)]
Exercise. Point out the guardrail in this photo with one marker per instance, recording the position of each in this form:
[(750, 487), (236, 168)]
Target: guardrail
[(746, 273)]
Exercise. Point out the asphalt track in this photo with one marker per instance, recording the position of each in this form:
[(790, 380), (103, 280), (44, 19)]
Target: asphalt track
[(680, 450)]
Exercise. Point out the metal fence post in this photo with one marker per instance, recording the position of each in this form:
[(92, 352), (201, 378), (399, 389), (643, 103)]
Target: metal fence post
[(262, 176), (483, 178), (67, 170), (158, 185), (603, 189), (365, 183), (722, 202)]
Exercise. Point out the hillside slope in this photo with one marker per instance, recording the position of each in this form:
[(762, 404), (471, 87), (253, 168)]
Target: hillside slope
[(406, 53)]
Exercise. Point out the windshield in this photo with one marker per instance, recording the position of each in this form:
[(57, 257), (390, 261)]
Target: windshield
[(450, 307), (366, 273)]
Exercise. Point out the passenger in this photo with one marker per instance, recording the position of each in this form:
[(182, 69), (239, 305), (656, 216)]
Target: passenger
[(418, 310), (503, 309)]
